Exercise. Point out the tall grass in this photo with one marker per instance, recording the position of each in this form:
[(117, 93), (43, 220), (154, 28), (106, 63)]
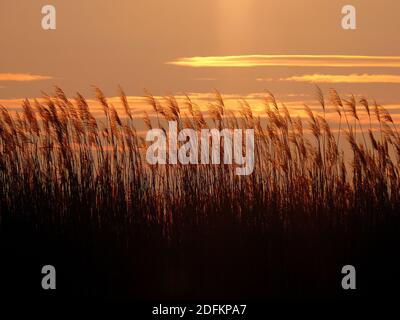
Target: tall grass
[(61, 169)]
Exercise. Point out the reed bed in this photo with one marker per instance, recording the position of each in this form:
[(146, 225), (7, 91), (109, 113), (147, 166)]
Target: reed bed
[(63, 169)]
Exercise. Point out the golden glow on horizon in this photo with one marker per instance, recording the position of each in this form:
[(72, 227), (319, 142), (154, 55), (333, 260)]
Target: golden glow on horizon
[(289, 61), (22, 77)]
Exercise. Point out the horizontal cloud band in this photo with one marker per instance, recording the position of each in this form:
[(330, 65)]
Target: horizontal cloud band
[(289, 61), (22, 77), (349, 78)]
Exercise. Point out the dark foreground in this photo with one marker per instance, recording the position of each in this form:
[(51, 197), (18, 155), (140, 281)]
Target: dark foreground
[(229, 260)]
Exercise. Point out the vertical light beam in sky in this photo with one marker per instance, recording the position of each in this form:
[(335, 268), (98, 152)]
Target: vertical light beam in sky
[(234, 23)]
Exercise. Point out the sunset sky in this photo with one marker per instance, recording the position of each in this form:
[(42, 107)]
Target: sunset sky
[(240, 47)]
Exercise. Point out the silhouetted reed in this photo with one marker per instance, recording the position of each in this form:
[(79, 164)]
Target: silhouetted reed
[(62, 168)]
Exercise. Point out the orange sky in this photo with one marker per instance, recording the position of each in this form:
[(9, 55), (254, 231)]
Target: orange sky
[(237, 46)]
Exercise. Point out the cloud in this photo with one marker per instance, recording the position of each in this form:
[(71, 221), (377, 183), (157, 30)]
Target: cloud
[(298, 95), (288, 61), (264, 79), (22, 77), (347, 78), (205, 79)]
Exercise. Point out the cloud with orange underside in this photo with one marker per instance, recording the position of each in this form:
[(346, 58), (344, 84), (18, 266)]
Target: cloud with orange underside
[(288, 61), (22, 77)]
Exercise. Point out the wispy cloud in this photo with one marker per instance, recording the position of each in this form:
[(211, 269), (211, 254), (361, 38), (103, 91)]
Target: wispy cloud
[(264, 79), (347, 78), (205, 79), (289, 61), (22, 77)]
